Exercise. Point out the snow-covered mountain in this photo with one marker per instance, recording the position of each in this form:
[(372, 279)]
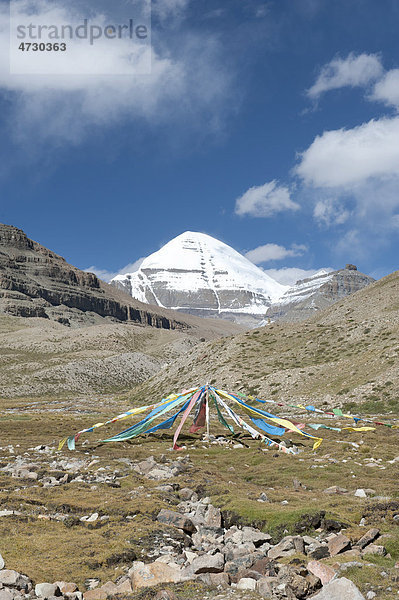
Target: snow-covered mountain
[(198, 274), (303, 299)]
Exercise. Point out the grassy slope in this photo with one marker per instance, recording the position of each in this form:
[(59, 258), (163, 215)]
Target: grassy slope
[(348, 353)]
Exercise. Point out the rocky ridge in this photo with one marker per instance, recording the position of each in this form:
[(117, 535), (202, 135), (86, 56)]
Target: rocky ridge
[(36, 282), (316, 293)]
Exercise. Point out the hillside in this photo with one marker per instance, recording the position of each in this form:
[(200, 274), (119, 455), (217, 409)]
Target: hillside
[(346, 353)]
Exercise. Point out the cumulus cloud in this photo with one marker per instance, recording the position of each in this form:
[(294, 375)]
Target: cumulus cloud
[(187, 78), (270, 252), (353, 71), (290, 275), (265, 200), (387, 89), (330, 212), (108, 275), (348, 157)]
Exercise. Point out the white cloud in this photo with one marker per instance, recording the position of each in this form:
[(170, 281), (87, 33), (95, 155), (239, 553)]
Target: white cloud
[(348, 157), (108, 275), (330, 212), (187, 83), (387, 89), (265, 200), (353, 71), (270, 252), (290, 275), (168, 8)]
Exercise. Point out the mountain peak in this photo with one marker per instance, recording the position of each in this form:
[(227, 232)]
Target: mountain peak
[(197, 273)]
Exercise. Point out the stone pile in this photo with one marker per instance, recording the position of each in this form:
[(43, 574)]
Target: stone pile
[(230, 558)]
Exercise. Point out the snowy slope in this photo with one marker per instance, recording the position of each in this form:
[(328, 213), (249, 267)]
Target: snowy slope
[(307, 296), (197, 273), (305, 288)]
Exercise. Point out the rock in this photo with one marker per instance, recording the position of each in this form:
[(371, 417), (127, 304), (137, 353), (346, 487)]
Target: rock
[(335, 489), (232, 567), (374, 549), (246, 584), (66, 587), (360, 493), (124, 587), (299, 544), (368, 537), (169, 517), (317, 551), (96, 594), (231, 552), (213, 516), (249, 534), (370, 595), (13, 579), (215, 579), (188, 494), (206, 564), (2, 564), (339, 589), (263, 498), (283, 548), (47, 590), (143, 575), (323, 572), (266, 586), (264, 566), (6, 594), (338, 544)]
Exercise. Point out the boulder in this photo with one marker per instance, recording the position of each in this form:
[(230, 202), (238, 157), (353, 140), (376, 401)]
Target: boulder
[(96, 594), (13, 579), (124, 586), (374, 549), (169, 517), (299, 544), (368, 537), (338, 544), (213, 516), (2, 564), (335, 489), (249, 534), (188, 494), (339, 589), (266, 586), (317, 551), (215, 579), (283, 548), (207, 563), (67, 587), (246, 583), (149, 575), (47, 590), (6, 594), (323, 572)]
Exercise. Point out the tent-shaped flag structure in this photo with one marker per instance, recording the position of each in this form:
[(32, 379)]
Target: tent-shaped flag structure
[(199, 402)]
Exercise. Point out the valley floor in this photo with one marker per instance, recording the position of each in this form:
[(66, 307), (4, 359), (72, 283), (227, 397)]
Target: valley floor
[(45, 493)]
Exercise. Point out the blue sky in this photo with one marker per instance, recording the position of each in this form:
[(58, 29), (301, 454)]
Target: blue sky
[(271, 125)]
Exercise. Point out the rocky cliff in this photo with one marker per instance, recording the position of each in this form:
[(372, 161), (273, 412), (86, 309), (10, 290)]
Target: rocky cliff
[(36, 282), (322, 290)]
